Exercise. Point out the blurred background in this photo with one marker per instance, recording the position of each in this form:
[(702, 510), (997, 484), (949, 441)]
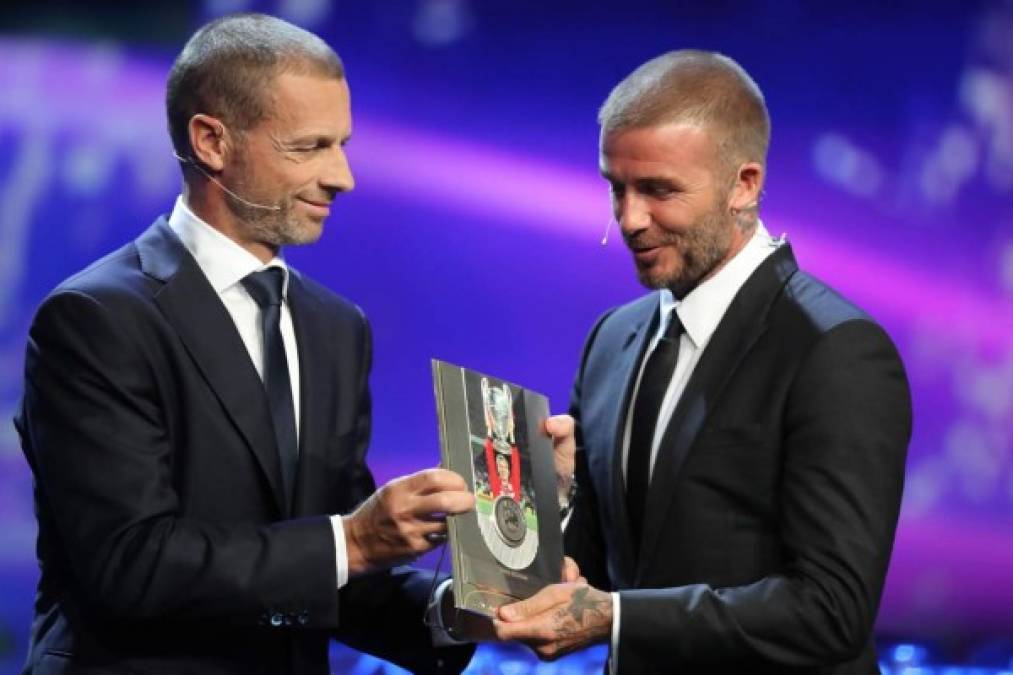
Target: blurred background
[(473, 233)]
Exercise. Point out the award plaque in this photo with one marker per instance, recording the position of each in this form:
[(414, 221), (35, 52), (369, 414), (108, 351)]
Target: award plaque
[(491, 433)]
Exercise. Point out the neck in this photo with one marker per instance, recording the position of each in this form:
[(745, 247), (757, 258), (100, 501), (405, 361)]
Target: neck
[(209, 204), (740, 237)]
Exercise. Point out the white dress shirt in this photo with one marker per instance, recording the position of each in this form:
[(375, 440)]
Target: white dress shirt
[(700, 313), (225, 264)]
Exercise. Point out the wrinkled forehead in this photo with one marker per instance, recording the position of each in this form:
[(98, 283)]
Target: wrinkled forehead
[(308, 101), (663, 150)]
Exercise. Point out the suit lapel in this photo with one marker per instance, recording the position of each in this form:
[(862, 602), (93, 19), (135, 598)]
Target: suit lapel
[(625, 373), (195, 311), (741, 326), (314, 385)]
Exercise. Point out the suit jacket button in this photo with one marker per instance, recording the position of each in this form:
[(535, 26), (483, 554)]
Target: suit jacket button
[(277, 619)]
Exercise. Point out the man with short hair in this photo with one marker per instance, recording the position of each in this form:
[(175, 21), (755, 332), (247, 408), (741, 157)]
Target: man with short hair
[(196, 413), (739, 434)]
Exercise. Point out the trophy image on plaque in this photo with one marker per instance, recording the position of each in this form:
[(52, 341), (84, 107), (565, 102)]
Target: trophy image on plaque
[(510, 528)]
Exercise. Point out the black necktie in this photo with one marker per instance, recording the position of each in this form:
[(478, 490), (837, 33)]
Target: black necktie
[(265, 287), (653, 385)]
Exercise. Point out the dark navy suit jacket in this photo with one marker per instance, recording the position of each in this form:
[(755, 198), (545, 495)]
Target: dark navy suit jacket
[(165, 543), (773, 503)]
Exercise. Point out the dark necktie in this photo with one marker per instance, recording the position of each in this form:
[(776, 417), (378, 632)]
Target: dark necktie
[(265, 287), (653, 385)]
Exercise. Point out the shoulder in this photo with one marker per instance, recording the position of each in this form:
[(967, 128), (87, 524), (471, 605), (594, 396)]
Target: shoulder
[(114, 282), (336, 308), (809, 313), (825, 330), (817, 305)]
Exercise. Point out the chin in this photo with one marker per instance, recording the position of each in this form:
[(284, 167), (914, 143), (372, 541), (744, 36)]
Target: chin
[(305, 233), (656, 279)]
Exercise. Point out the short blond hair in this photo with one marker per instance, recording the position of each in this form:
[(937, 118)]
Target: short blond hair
[(695, 87)]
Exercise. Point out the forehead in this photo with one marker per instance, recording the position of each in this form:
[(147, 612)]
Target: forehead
[(664, 150), (305, 102)]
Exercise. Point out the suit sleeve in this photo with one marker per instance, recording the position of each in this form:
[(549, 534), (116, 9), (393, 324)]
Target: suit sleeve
[(847, 426), (383, 613), (103, 458)]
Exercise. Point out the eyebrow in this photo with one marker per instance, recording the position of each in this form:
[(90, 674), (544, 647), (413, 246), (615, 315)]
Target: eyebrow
[(316, 138), (643, 180)]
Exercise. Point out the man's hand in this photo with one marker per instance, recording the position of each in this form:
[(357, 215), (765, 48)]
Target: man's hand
[(403, 519), (564, 445), (571, 572), (558, 619)]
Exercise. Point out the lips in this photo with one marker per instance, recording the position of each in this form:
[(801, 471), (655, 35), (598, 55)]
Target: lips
[(318, 208), (645, 256)]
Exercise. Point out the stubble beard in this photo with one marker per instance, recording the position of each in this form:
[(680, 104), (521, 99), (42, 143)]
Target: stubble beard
[(700, 250), (273, 227), (277, 228)]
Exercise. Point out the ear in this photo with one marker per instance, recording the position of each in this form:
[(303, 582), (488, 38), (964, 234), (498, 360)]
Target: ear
[(746, 189), (207, 138)]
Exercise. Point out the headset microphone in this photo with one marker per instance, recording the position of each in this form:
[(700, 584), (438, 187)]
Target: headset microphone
[(605, 239), (196, 165)]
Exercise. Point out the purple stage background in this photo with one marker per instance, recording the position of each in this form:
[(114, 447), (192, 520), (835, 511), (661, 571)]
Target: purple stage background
[(473, 233)]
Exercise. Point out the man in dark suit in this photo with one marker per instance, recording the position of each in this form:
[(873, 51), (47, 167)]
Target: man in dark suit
[(740, 434), (196, 413)]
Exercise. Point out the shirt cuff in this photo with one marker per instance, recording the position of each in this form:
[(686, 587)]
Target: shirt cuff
[(434, 619), (614, 642), (340, 549)]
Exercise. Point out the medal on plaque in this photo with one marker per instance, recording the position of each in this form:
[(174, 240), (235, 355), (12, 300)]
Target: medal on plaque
[(510, 537)]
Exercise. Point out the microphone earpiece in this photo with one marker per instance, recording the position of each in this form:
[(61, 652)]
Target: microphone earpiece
[(605, 239), (196, 165)]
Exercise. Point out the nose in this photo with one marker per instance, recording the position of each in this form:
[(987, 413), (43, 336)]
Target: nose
[(631, 213), (337, 176)]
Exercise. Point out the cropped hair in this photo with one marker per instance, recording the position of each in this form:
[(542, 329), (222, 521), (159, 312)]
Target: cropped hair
[(694, 87), (226, 67)]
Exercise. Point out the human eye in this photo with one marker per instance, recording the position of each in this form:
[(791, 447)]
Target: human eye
[(310, 146), (658, 189)]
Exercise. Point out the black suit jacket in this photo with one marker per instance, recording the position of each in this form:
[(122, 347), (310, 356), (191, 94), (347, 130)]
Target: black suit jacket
[(165, 543), (773, 503)]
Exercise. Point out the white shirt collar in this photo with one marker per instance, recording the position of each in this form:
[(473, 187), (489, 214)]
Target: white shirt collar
[(224, 262), (701, 310)]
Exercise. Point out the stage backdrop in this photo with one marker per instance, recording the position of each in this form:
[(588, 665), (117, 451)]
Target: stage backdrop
[(473, 232)]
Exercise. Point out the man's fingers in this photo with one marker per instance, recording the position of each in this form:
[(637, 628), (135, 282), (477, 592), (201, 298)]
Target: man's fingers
[(560, 426), (571, 572), (564, 446), (530, 631), (432, 527), (435, 480), (548, 597), (435, 538), (450, 502)]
